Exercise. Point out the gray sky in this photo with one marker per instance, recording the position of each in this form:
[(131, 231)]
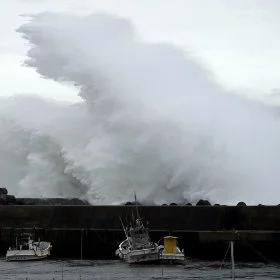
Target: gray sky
[(237, 40)]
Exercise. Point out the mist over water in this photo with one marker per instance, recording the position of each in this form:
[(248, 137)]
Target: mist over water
[(152, 121)]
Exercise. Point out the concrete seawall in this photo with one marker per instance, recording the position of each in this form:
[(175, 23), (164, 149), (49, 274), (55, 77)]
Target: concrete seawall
[(94, 231)]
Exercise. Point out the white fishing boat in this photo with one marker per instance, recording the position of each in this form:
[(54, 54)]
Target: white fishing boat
[(26, 249), (169, 252), (137, 247)]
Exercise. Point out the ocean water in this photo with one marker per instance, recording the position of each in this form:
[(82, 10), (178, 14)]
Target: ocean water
[(114, 269)]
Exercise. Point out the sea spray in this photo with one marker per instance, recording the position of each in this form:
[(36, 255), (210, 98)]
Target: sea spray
[(151, 121)]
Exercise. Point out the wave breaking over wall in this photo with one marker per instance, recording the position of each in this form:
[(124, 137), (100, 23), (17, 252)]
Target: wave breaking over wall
[(151, 121)]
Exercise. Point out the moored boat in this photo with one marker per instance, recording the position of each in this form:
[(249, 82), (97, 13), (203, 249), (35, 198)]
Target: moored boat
[(137, 247), (26, 249), (169, 252)]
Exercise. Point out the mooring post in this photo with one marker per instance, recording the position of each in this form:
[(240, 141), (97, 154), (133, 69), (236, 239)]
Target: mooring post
[(82, 231), (232, 260), (62, 275)]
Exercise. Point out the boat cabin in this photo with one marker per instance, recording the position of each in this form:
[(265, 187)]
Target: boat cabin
[(170, 245)]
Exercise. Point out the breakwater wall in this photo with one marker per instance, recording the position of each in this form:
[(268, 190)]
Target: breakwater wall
[(95, 231)]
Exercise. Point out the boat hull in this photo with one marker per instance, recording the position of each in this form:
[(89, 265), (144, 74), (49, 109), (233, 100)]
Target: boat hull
[(142, 256), (24, 255), (172, 258)]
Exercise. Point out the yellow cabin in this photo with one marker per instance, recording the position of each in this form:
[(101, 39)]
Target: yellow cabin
[(170, 245)]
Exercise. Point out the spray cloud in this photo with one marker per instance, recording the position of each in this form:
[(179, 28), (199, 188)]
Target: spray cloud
[(151, 121)]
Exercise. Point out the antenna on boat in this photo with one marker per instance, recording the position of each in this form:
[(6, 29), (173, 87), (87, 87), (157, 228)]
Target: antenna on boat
[(136, 205)]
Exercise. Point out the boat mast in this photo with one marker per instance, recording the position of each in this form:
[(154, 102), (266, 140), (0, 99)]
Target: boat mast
[(136, 205)]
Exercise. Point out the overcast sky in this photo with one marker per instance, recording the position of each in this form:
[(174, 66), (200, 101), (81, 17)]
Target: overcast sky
[(237, 40)]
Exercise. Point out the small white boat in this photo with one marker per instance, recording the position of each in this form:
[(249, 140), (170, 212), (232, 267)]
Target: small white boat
[(28, 250), (169, 252)]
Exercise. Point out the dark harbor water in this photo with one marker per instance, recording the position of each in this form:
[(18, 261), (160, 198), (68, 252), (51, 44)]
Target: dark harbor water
[(114, 269)]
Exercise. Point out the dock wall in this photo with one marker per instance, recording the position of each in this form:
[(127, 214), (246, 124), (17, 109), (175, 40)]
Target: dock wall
[(95, 231)]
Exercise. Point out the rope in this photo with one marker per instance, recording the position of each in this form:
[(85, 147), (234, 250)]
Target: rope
[(225, 256)]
